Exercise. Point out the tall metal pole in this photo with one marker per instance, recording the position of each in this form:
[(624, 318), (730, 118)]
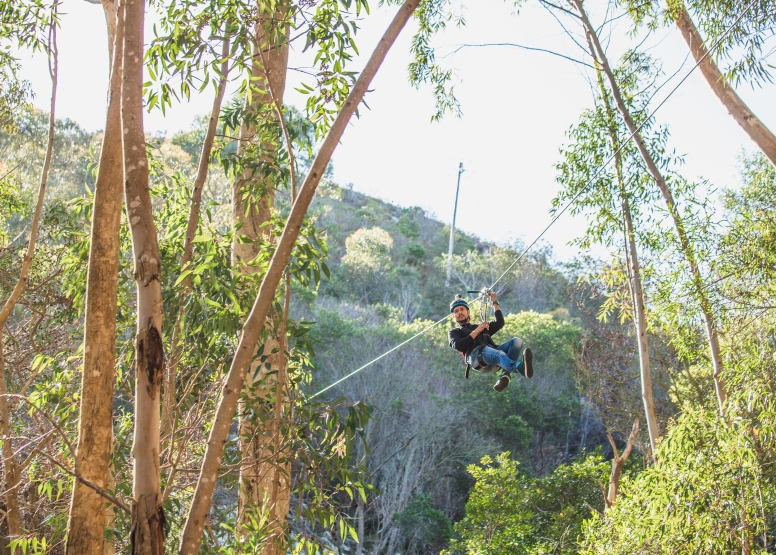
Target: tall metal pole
[(452, 227)]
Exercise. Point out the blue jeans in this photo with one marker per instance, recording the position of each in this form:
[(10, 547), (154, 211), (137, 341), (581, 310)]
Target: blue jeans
[(506, 356)]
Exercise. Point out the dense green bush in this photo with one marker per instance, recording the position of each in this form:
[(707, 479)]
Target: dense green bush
[(510, 513), (425, 528)]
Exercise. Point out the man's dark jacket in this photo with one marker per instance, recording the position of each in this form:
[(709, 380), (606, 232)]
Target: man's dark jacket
[(461, 340)]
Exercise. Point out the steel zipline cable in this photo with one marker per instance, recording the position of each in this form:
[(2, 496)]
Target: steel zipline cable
[(386, 353), (561, 212)]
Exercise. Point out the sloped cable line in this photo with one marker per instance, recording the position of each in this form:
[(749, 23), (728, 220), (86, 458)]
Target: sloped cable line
[(561, 212), (386, 353)]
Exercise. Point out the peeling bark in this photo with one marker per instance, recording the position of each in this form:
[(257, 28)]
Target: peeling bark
[(88, 517), (147, 531), (235, 379), (148, 524)]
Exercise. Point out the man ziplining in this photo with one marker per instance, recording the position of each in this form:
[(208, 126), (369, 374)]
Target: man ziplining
[(479, 350)]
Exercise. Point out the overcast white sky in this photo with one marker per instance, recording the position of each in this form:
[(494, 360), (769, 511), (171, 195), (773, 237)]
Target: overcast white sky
[(517, 106)]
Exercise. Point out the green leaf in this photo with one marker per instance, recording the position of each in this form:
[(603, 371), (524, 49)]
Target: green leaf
[(182, 277)]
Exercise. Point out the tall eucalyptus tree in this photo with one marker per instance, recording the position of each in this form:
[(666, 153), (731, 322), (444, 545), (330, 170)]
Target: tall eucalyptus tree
[(614, 198), (148, 520), (87, 518), (686, 245)]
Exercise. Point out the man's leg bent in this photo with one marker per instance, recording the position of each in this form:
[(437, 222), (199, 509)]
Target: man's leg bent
[(513, 349), (498, 358)]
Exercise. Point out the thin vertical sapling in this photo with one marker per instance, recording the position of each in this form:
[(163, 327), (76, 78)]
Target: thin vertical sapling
[(13, 514)]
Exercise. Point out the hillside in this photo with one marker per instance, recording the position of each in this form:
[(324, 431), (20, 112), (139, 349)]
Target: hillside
[(388, 267), (388, 282), (426, 445)]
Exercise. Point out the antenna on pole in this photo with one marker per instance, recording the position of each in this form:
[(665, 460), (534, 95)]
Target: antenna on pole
[(452, 227)]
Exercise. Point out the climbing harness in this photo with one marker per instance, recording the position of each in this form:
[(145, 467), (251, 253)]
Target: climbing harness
[(557, 216), (483, 340)]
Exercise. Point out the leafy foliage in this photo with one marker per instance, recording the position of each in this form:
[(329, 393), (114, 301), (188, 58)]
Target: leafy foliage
[(190, 54), (388, 451), (741, 32), (511, 513), (368, 250), (424, 526), (14, 93), (711, 489)]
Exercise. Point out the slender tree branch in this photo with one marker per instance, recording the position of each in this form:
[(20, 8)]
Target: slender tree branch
[(546, 6), (115, 500), (559, 8), (38, 448), (532, 48)]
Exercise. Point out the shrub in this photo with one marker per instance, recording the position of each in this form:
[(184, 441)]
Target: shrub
[(425, 528)]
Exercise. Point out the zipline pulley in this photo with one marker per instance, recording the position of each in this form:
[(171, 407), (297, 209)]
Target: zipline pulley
[(484, 294)]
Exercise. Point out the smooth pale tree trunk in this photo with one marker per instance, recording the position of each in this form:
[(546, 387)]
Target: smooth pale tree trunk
[(235, 379), (634, 275), (88, 517), (147, 533), (618, 461), (168, 403), (736, 107), (252, 200), (684, 241), (637, 292), (111, 8), (10, 465)]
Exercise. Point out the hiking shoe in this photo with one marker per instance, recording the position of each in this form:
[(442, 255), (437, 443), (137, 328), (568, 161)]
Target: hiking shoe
[(502, 383), (528, 362)]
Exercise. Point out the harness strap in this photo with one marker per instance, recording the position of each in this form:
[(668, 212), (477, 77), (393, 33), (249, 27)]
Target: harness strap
[(479, 364)]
